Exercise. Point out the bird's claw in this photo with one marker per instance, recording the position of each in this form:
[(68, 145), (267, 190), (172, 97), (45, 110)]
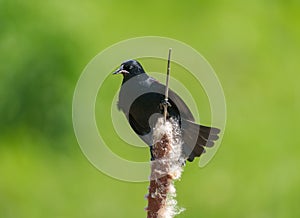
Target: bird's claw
[(165, 103)]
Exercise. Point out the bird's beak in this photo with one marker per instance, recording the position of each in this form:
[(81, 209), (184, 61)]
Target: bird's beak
[(120, 70)]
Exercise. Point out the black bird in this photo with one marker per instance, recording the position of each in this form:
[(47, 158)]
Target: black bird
[(141, 97)]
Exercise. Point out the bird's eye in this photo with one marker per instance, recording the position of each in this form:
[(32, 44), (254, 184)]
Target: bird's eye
[(131, 67)]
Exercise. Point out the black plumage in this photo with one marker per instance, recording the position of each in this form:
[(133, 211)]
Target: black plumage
[(140, 99)]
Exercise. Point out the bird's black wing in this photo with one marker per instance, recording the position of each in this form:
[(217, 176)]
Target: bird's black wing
[(195, 137), (148, 103), (184, 111)]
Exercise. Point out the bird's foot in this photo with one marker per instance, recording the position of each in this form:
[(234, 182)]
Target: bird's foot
[(164, 103)]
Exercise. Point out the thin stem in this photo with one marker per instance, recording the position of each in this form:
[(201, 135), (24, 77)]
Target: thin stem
[(167, 85)]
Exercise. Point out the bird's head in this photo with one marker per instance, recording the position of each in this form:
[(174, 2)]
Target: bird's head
[(130, 69)]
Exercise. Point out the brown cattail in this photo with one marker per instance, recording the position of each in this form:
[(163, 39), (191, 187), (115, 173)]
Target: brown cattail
[(165, 169)]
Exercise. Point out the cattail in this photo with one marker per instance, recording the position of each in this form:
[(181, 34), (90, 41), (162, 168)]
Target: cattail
[(165, 169)]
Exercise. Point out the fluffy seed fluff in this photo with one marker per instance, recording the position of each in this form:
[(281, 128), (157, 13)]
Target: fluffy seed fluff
[(165, 169)]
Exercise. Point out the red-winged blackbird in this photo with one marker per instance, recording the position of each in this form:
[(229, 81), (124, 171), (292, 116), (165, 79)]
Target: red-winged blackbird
[(141, 97)]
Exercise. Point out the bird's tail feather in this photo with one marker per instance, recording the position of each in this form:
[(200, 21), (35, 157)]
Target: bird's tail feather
[(196, 137)]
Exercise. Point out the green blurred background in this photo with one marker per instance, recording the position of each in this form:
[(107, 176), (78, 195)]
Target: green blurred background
[(252, 45)]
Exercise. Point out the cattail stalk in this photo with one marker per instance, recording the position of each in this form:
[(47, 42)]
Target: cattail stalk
[(167, 164), (165, 169)]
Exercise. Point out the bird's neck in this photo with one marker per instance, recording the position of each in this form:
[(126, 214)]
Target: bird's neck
[(138, 77)]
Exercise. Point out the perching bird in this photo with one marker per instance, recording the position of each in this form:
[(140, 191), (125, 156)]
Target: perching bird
[(141, 98)]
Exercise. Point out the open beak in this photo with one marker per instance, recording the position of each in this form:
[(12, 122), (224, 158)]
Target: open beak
[(120, 70)]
